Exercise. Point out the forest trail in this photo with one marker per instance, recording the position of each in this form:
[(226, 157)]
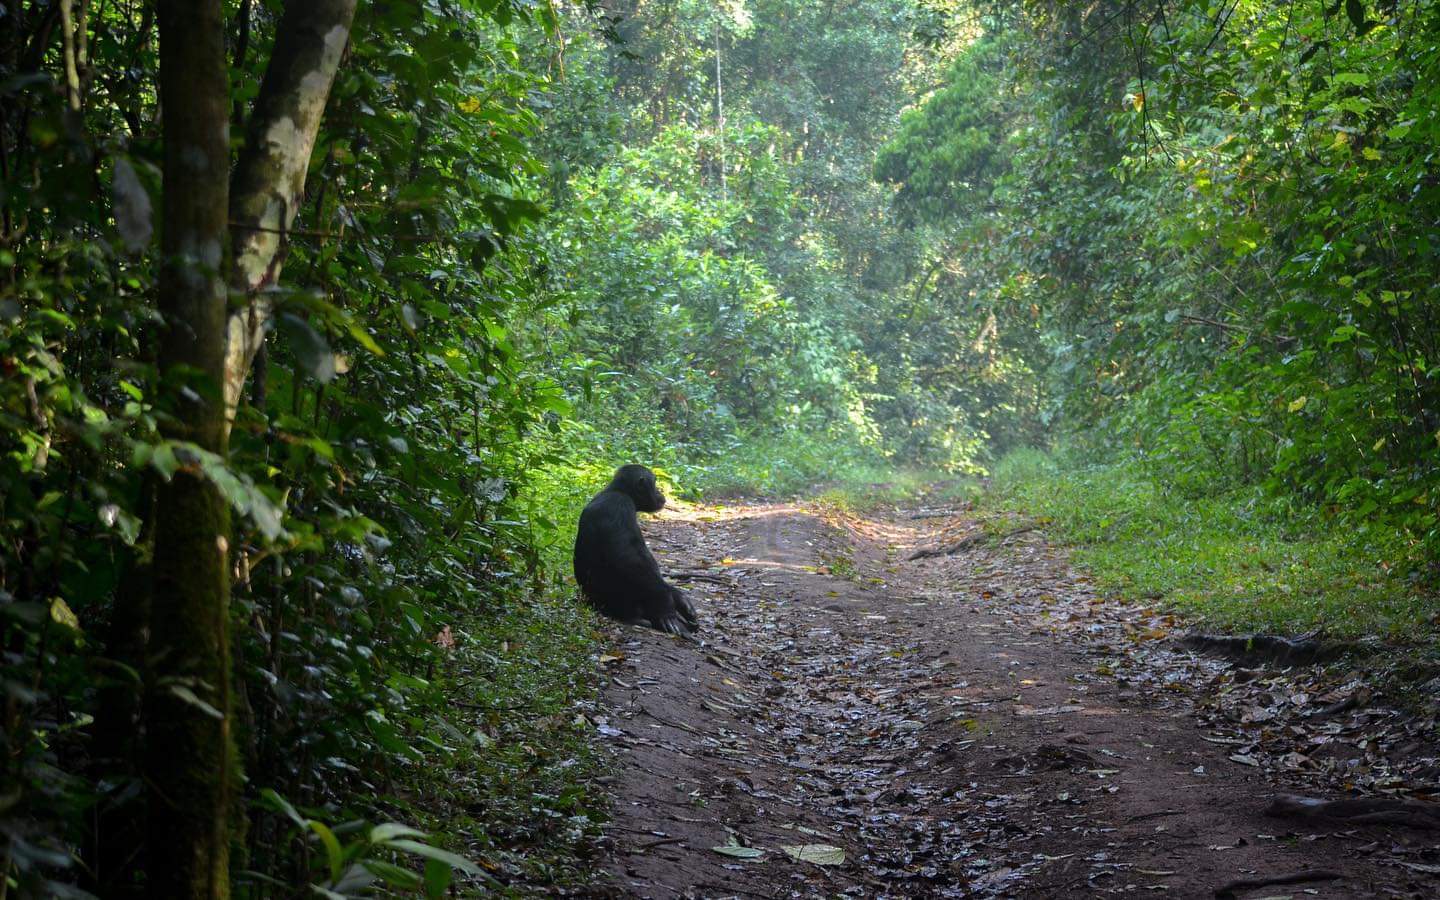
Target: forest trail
[(976, 724)]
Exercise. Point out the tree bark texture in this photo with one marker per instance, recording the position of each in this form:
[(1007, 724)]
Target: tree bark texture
[(189, 757), (269, 181)]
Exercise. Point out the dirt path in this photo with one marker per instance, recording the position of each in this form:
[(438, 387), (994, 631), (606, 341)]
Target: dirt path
[(974, 725)]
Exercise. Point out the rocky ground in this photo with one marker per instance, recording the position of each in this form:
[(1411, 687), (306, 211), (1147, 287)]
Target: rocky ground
[(977, 723)]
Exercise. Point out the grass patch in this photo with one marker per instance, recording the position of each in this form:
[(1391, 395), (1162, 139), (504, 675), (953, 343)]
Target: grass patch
[(1235, 561)]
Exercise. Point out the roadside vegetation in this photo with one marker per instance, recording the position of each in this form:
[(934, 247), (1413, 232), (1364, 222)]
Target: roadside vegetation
[(1239, 560)]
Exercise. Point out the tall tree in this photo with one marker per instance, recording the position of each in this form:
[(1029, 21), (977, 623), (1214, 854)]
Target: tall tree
[(190, 745), (205, 355)]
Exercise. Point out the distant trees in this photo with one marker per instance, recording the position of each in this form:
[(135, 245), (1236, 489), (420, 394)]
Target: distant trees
[(1218, 221)]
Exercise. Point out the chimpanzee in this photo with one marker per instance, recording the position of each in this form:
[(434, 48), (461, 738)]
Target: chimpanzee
[(616, 571)]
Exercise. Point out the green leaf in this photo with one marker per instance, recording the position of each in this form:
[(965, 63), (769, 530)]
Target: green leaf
[(819, 854), (393, 875), (61, 614), (438, 877), (361, 336), (453, 860), (740, 852), (271, 798), (334, 854), (311, 349), (391, 830), (161, 458), (1359, 79), (189, 696)]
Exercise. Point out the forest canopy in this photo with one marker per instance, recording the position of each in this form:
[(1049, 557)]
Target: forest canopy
[(320, 321)]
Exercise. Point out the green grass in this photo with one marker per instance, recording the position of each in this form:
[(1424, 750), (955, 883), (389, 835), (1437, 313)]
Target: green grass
[(1234, 561), (785, 464)]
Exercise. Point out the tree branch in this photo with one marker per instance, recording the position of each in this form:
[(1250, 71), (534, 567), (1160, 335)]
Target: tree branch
[(269, 180)]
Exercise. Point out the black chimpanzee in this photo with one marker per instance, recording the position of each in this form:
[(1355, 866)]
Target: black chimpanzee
[(616, 571)]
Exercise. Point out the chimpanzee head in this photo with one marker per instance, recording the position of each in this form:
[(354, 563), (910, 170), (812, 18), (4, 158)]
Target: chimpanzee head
[(638, 483)]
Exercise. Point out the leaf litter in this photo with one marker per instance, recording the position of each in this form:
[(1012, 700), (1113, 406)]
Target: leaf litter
[(923, 722)]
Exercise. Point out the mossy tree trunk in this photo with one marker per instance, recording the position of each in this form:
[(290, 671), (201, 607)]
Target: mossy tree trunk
[(190, 762), (189, 754)]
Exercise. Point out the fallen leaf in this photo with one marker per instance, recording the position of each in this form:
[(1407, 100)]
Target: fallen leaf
[(819, 854), (739, 852)]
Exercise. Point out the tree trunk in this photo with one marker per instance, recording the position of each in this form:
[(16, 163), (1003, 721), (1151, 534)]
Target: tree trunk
[(189, 757), (206, 352), (269, 181)]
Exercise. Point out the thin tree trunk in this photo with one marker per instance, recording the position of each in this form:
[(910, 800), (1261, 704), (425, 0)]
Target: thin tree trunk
[(269, 181), (189, 758), (117, 834)]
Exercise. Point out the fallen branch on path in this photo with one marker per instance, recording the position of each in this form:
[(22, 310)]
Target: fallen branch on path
[(968, 542), (934, 514), (1357, 811), (1303, 650), (683, 575), (1229, 890), (666, 722), (730, 890), (1157, 814)]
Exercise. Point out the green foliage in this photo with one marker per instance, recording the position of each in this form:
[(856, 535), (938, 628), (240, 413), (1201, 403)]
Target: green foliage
[(948, 153), (868, 489), (1235, 560), (787, 464), (356, 858), (713, 293), (656, 293), (1195, 241), (379, 468), (1221, 221)]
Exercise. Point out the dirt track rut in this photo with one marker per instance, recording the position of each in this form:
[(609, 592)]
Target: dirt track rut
[(951, 725)]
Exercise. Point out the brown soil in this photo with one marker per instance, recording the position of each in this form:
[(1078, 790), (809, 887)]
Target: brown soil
[(972, 725)]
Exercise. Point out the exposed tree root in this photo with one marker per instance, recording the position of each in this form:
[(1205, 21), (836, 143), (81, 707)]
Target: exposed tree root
[(1306, 649), (935, 514), (1232, 888), (1358, 811), (968, 542)]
